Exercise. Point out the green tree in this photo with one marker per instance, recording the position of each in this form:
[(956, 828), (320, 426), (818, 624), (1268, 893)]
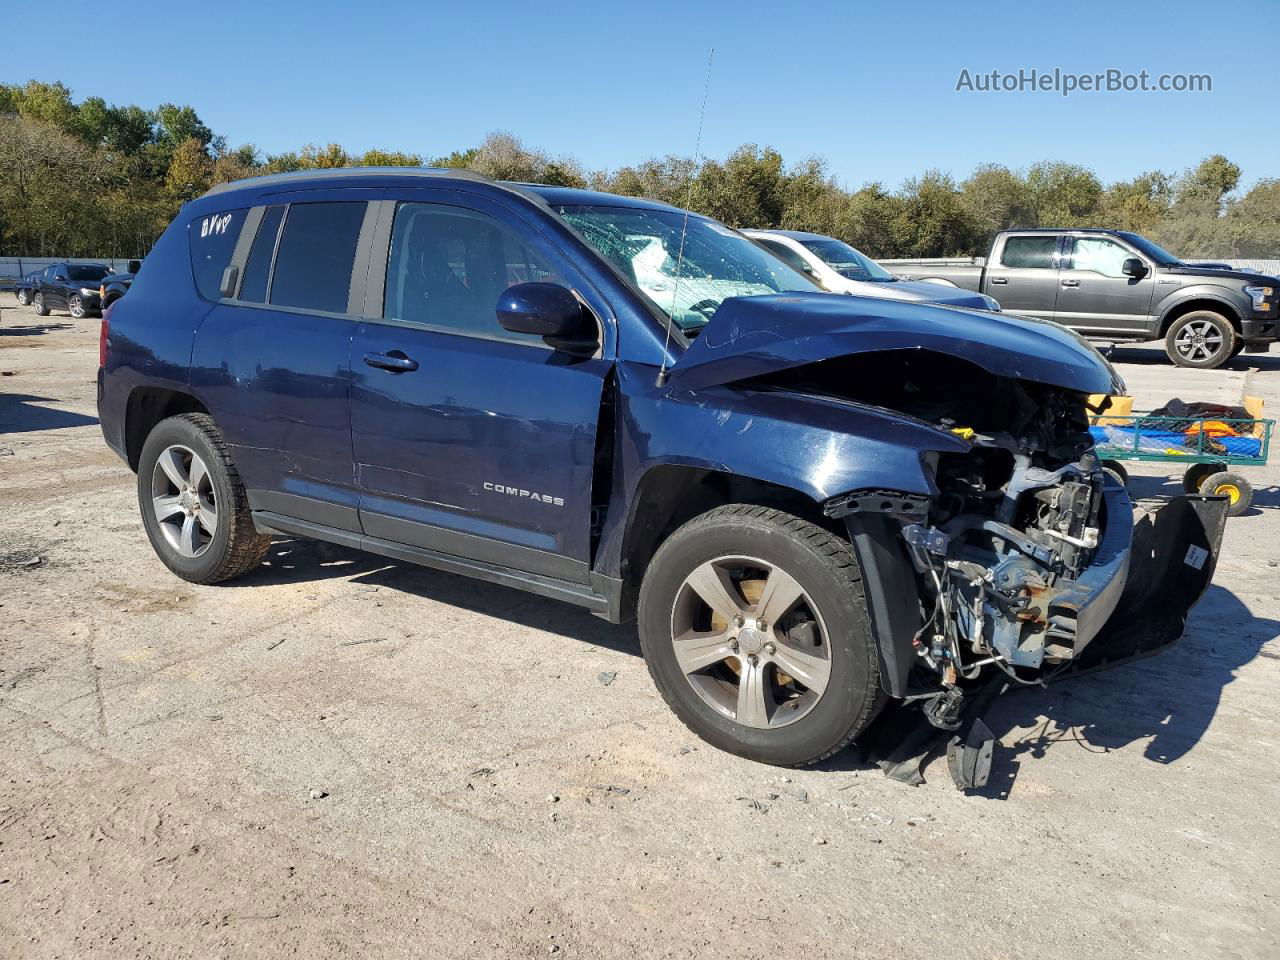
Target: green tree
[(1063, 194), (995, 198)]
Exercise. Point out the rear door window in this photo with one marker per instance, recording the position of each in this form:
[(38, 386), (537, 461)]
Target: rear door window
[(257, 269), (316, 252), (213, 240), (1030, 252)]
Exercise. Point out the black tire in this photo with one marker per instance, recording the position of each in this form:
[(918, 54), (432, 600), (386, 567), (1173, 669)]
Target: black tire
[(1238, 348), (38, 303), (24, 297), (1195, 475), (1201, 340), (827, 570), (236, 546), (75, 307), (1237, 490), (1116, 467)]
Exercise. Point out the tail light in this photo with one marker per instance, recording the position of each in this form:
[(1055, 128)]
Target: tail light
[(104, 337)]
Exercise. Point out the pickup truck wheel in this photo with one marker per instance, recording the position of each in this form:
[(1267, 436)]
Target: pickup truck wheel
[(193, 504), (755, 630), (38, 303), (1201, 339)]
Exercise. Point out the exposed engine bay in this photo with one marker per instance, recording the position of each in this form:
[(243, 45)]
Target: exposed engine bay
[(1022, 555)]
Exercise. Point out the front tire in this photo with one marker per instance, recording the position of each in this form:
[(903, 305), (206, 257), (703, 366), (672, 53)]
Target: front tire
[(38, 303), (1202, 340), (193, 504), (755, 630), (75, 307)]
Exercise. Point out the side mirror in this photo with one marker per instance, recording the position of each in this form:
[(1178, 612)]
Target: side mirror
[(135, 266), (550, 311), (1133, 267)]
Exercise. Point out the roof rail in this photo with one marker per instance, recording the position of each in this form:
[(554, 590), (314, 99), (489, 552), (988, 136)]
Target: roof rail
[(301, 176)]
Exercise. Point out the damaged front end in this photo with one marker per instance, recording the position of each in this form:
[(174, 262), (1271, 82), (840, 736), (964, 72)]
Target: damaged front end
[(1025, 564), (1012, 556)]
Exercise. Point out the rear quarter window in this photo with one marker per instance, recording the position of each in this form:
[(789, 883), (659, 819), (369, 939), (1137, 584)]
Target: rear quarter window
[(1029, 252), (213, 240)]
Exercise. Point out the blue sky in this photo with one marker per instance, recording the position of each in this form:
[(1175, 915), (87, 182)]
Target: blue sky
[(868, 86)]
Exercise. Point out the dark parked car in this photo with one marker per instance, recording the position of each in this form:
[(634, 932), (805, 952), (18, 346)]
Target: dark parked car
[(24, 287), (810, 502), (1115, 285), (69, 286), (115, 286)]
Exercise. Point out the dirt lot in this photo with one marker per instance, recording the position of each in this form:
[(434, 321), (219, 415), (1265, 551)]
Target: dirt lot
[(341, 756)]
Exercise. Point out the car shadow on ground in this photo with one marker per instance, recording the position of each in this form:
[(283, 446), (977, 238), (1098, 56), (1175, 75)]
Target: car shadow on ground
[(1168, 700), (1166, 488), (35, 330), (297, 561), (19, 413), (1155, 356)]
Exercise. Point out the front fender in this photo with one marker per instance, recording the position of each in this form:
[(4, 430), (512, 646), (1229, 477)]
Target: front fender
[(1236, 308)]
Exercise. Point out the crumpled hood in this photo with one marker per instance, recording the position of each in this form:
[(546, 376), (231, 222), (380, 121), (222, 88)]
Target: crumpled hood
[(916, 291), (752, 336)]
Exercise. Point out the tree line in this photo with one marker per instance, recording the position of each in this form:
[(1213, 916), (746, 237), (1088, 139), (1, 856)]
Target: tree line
[(90, 178)]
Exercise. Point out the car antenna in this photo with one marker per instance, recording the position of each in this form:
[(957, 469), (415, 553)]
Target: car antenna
[(684, 227)]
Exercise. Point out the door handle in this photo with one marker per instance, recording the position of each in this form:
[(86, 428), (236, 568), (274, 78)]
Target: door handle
[(999, 280), (392, 360), (1071, 283)]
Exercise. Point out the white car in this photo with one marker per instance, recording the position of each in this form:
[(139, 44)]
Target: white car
[(840, 268)]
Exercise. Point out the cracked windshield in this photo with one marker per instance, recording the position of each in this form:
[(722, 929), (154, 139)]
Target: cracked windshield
[(716, 264)]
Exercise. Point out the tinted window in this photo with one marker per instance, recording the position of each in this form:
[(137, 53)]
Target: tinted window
[(257, 269), (448, 266), (213, 240), (317, 250), (1035, 252), (1099, 255), (50, 272), (87, 271), (789, 256)]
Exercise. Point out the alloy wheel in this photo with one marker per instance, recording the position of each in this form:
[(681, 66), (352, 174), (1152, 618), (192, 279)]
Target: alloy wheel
[(183, 500), (750, 641), (1199, 340), (75, 306)]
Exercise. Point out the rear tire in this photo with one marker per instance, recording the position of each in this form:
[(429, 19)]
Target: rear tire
[(810, 671), (38, 303), (193, 504), (1201, 340), (24, 297)]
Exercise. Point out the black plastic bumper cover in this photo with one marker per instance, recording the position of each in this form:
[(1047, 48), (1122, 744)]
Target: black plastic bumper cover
[(1172, 564)]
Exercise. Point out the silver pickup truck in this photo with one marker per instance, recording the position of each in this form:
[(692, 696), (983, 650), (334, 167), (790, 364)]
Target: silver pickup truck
[(1119, 286)]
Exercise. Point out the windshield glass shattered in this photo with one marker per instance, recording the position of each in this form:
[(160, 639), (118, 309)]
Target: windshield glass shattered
[(846, 261), (716, 263)]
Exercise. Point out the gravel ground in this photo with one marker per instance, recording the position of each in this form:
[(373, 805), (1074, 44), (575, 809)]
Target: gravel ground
[(342, 756)]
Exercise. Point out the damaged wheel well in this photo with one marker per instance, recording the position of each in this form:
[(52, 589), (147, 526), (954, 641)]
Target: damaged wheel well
[(669, 496)]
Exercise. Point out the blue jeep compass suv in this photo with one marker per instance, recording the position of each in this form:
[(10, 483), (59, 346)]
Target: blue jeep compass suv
[(810, 502)]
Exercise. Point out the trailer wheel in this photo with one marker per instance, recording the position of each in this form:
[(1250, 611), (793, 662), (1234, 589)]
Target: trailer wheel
[(1237, 490), (1116, 467), (1195, 476)]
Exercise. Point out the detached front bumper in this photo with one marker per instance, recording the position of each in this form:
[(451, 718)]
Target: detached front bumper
[(1172, 560)]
